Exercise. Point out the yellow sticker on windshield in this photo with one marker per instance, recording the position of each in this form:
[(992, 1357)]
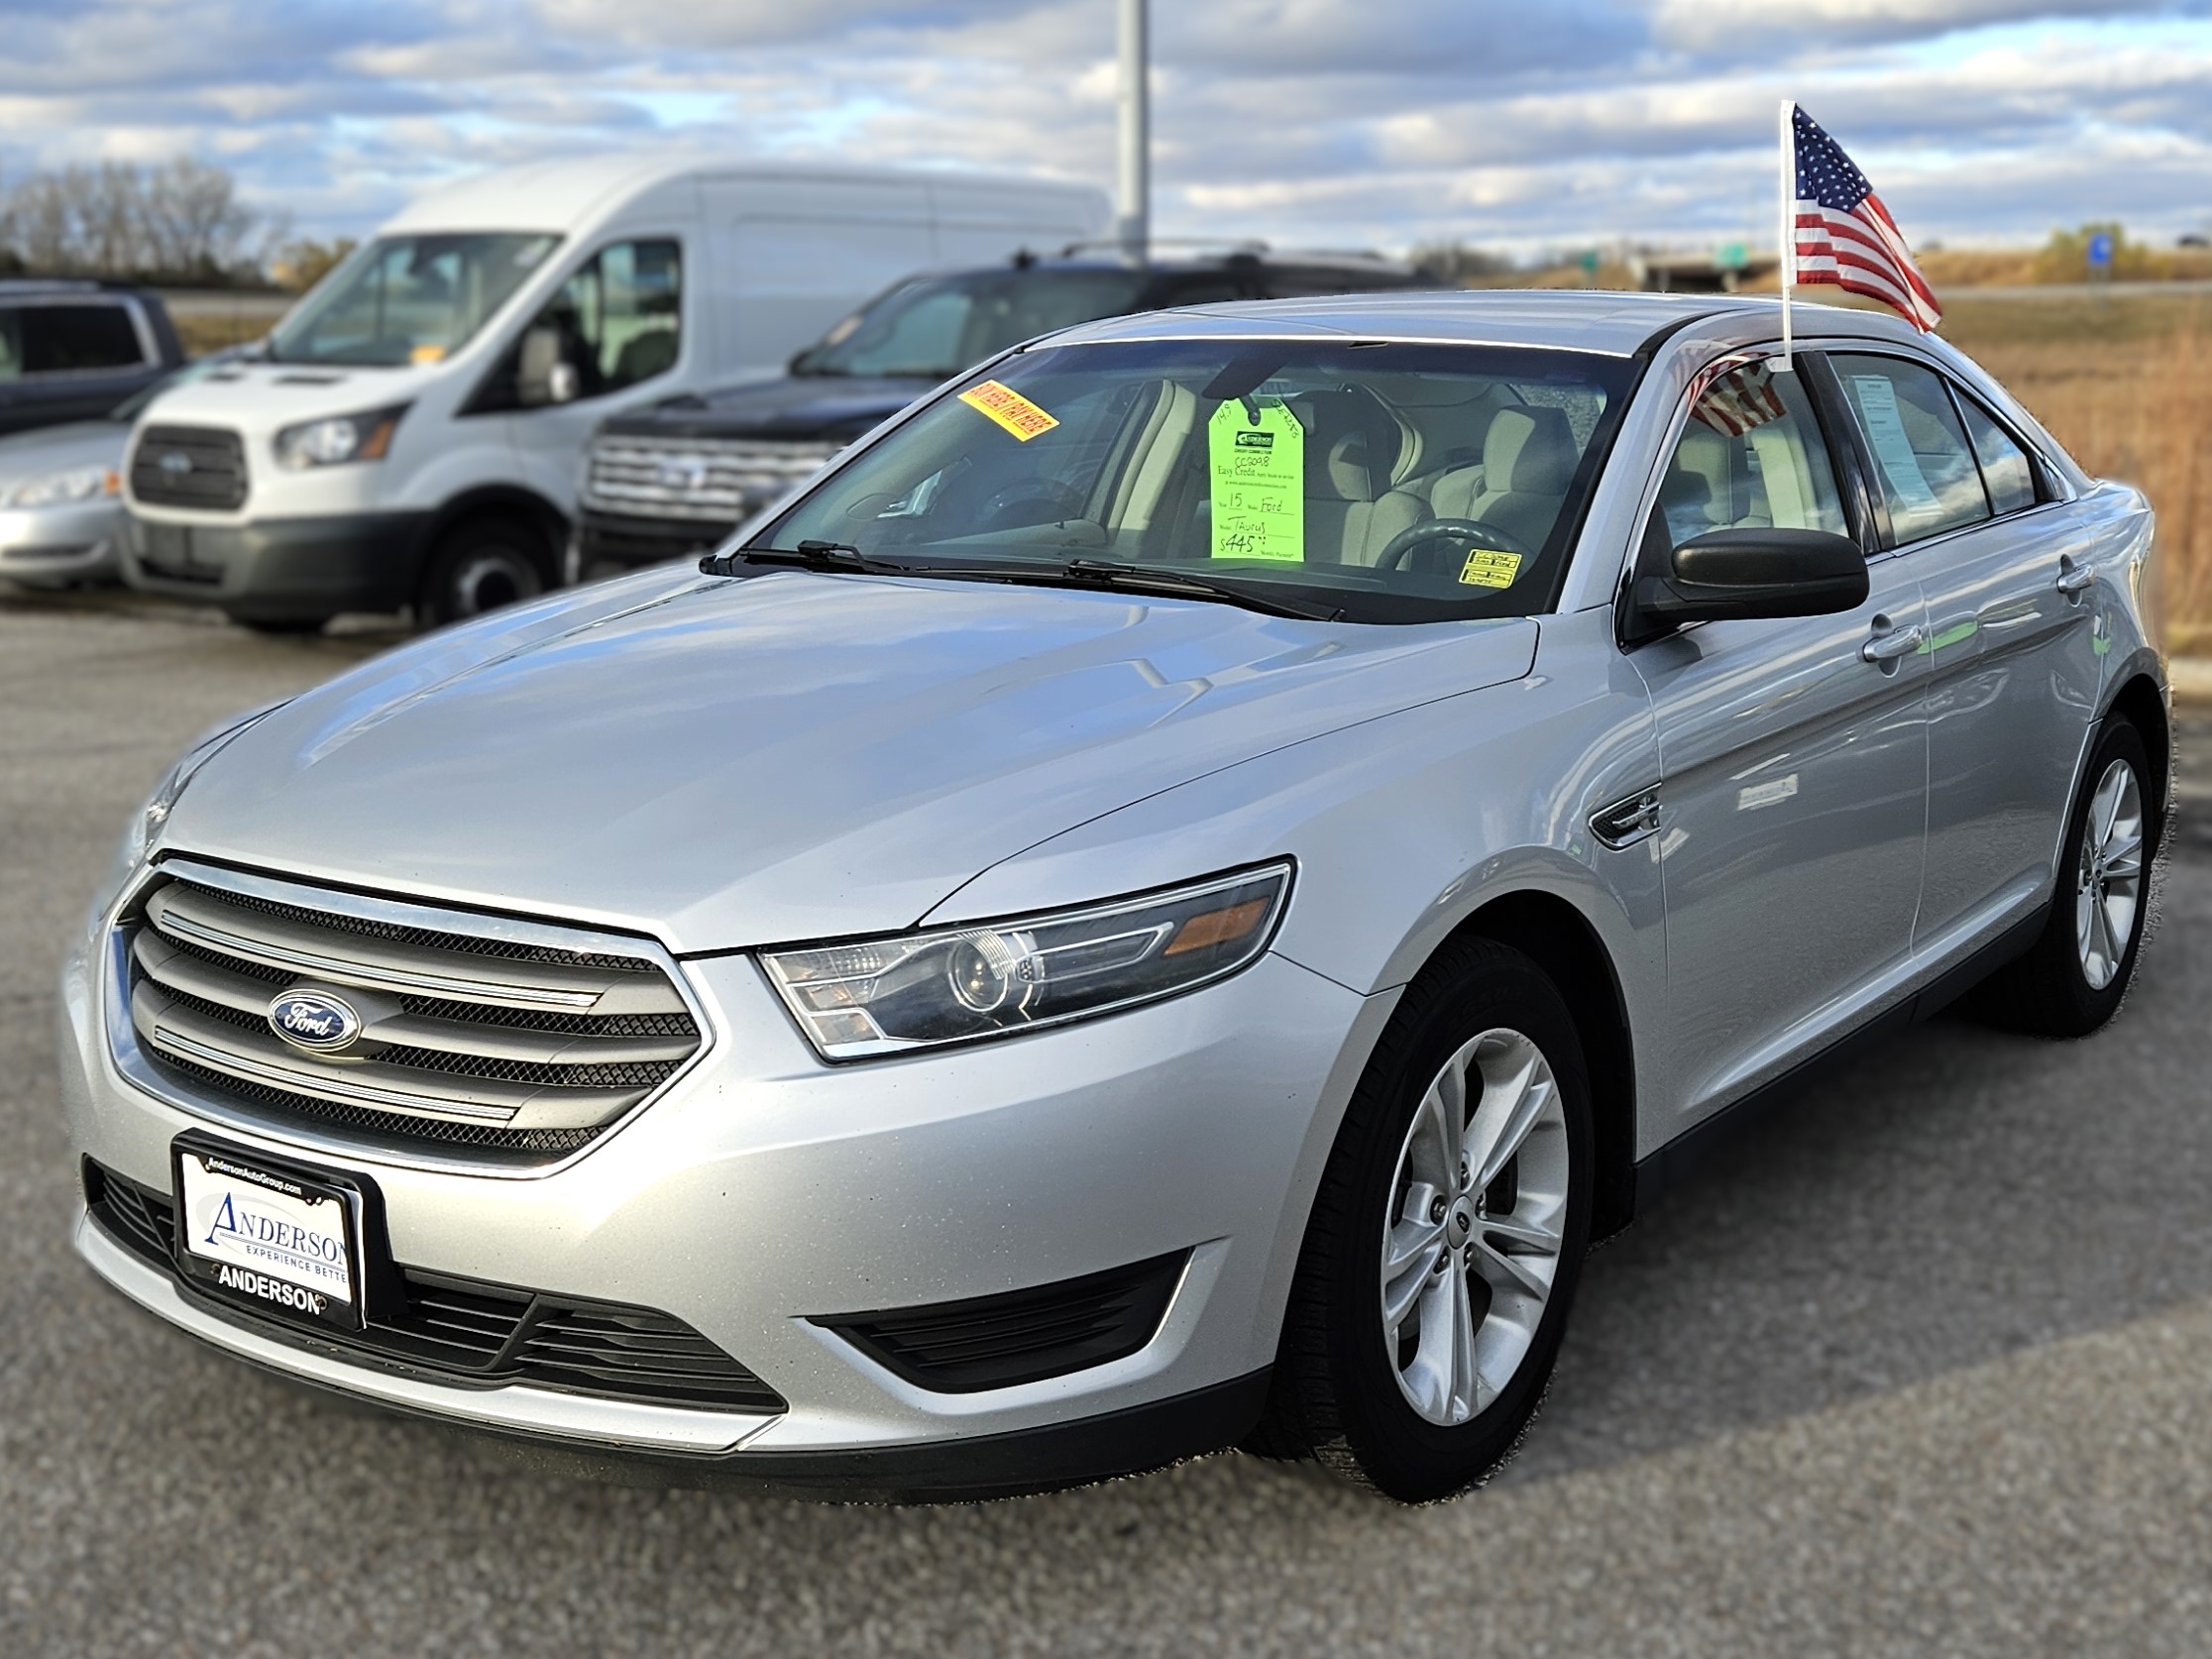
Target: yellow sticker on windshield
[(1256, 455), (1486, 568), (1009, 408), (427, 353)]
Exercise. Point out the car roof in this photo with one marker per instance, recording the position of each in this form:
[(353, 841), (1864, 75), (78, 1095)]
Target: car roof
[(1582, 319), (26, 286)]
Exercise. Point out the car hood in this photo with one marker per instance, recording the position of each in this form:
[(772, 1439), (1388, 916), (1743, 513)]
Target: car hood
[(57, 449), (784, 406), (255, 395), (726, 763)]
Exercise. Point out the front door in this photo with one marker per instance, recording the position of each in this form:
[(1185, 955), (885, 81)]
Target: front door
[(1793, 762)]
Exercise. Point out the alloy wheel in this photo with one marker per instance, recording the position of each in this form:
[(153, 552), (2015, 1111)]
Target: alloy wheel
[(1470, 1245), (2108, 889)]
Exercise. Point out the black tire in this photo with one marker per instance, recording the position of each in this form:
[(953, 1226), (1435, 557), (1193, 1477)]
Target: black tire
[(481, 565), (2047, 992), (1335, 1394), (282, 625)]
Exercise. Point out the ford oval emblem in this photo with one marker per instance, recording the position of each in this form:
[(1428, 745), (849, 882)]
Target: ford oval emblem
[(175, 463), (316, 1020), (684, 471)]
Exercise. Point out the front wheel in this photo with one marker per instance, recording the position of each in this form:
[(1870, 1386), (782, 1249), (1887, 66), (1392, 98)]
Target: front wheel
[(1447, 1237), (481, 565)]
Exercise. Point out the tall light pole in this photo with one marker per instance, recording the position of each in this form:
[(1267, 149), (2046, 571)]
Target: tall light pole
[(1134, 203)]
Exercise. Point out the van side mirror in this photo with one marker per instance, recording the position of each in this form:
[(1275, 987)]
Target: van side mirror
[(1754, 573), (542, 375)]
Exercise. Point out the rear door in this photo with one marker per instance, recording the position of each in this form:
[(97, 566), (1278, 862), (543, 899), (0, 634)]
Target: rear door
[(1794, 755), (2014, 645)]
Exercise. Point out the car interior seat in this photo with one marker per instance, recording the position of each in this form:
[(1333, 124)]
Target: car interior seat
[(1528, 460), (1353, 448)]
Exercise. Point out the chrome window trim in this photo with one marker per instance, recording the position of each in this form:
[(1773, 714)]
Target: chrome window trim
[(133, 1065)]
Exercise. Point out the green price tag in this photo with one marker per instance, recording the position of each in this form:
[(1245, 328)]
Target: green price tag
[(1256, 456)]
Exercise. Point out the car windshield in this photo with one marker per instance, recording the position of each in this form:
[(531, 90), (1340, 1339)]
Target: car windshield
[(934, 328), (1387, 482), (407, 299)]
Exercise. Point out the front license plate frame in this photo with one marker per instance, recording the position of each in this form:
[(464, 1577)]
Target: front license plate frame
[(268, 1235)]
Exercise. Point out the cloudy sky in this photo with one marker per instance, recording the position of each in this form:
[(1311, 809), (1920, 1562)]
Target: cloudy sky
[(1545, 124)]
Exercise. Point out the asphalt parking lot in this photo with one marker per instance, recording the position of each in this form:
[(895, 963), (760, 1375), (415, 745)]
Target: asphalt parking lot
[(1923, 1367)]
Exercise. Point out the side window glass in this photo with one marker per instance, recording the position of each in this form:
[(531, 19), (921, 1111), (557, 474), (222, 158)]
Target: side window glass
[(60, 338), (620, 315), (1750, 457), (11, 344), (2006, 470), (1923, 464)]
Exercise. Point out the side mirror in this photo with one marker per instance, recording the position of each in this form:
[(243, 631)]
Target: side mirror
[(1758, 573), (542, 375)]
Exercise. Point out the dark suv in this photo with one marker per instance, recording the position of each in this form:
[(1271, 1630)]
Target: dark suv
[(73, 350), (676, 478)]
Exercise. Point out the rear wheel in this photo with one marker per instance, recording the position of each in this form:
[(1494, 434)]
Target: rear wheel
[(481, 565), (2073, 978), (1447, 1238)]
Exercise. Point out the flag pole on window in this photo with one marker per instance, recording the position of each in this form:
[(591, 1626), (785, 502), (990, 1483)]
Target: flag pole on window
[(1788, 268)]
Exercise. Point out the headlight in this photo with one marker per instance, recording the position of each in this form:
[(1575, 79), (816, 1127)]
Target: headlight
[(79, 483), (145, 826), (957, 984), (341, 438)]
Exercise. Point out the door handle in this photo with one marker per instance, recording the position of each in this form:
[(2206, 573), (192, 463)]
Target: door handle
[(2075, 579), (1898, 642)]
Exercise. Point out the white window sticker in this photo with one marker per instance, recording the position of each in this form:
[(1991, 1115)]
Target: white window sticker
[(1893, 446)]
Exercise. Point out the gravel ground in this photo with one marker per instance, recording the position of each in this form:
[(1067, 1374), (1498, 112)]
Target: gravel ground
[(1921, 1367)]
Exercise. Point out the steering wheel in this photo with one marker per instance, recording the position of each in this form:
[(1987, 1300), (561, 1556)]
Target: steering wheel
[(1472, 532)]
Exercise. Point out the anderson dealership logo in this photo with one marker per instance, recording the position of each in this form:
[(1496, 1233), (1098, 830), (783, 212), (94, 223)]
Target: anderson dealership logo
[(317, 1021)]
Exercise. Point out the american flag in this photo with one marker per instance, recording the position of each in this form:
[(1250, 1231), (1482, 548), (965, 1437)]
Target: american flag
[(1736, 395), (1845, 236)]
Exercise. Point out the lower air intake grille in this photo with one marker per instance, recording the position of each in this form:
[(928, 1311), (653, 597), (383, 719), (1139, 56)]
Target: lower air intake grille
[(466, 1330), (1023, 1336)]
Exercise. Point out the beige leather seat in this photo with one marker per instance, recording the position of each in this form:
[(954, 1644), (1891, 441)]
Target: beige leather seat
[(1699, 492), (1352, 449), (1528, 460)]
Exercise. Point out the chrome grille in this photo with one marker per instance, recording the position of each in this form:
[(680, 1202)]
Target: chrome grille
[(717, 479), (189, 467), (488, 1039)]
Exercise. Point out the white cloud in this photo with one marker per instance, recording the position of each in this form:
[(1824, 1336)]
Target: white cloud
[(1375, 121)]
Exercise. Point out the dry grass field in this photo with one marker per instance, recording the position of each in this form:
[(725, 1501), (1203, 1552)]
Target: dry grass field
[(2122, 382)]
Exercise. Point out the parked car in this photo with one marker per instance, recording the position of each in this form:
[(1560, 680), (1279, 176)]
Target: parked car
[(1214, 857), (72, 350), (412, 434), (679, 475), (61, 520)]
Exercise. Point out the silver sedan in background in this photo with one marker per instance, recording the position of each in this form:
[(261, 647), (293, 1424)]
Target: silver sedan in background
[(61, 495), (1204, 865)]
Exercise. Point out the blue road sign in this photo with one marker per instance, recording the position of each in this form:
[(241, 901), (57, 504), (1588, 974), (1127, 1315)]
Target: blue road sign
[(2100, 250)]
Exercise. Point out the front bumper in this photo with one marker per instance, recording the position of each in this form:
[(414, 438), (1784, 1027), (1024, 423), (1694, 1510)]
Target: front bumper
[(59, 545), (766, 1189), (609, 543), (281, 569)]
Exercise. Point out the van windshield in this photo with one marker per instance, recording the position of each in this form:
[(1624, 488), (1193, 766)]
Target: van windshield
[(934, 328), (1385, 483), (407, 299)]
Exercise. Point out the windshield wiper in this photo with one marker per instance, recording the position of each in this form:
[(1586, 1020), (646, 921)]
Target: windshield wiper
[(808, 555), (1190, 585)]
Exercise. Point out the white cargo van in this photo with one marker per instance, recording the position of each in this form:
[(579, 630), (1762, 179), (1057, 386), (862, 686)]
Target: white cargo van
[(411, 435)]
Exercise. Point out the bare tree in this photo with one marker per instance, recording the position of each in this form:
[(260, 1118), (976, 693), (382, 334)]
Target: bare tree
[(182, 220)]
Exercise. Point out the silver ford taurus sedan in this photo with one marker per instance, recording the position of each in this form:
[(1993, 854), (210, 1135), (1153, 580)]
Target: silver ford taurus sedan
[(1164, 902)]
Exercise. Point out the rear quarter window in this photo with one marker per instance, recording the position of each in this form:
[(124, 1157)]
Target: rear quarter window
[(59, 339)]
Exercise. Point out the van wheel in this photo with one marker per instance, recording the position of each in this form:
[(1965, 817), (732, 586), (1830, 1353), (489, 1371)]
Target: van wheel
[(481, 565), (1447, 1237), (2072, 980)]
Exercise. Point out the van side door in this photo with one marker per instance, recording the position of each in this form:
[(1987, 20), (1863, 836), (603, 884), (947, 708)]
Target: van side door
[(2013, 640), (1793, 797)]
